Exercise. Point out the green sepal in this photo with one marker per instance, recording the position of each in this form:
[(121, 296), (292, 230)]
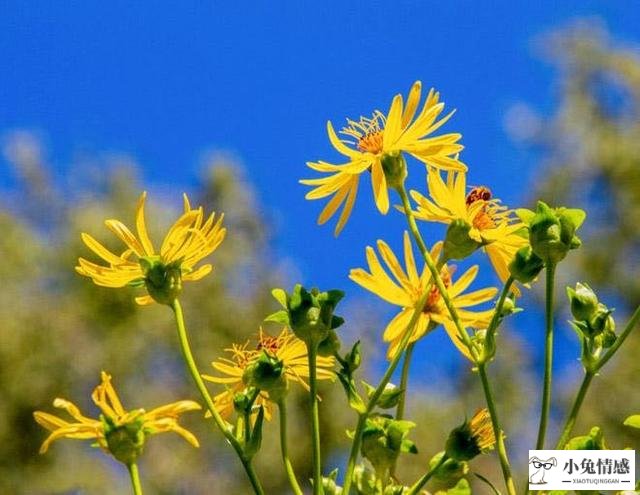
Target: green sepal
[(458, 245), (280, 316), (390, 395), (281, 296)]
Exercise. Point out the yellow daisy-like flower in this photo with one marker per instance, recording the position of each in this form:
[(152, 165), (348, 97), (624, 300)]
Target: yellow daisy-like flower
[(286, 347), (406, 287), (367, 141), (190, 239), (113, 418), (492, 224)]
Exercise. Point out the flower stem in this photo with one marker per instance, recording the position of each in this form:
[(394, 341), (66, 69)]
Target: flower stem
[(575, 409), (417, 486), (435, 275), (404, 380), (497, 430), (548, 357), (315, 420), (291, 475), (135, 478), (195, 374), (588, 378), (371, 404)]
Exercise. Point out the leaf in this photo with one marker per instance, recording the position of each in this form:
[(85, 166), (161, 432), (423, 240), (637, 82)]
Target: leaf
[(633, 421), (281, 316), (281, 296)]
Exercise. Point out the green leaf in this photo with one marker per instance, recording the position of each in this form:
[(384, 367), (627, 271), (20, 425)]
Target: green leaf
[(280, 316), (633, 421), (281, 296)]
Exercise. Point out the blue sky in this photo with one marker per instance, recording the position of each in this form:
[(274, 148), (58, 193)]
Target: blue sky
[(166, 81)]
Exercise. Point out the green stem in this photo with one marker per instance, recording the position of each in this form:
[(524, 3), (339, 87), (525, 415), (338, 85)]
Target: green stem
[(435, 275), (135, 478), (495, 319), (633, 321), (195, 374), (417, 486), (291, 475), (404, 380), (588, 378), (315, 420), (371, 404), (575, 409), (548, 356), (497, 430)]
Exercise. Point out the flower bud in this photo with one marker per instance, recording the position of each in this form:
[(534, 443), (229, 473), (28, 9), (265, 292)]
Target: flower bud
[(583, 301), (471, 438), (390, 395), (266, 373), (353, 358), (602, 321), (308, 313), (552, 231), (394, 167), (593, 441), (383, 439), (526, 265), (163, 282), (125, 442), (458, 245), (329, 485), (450, 472)]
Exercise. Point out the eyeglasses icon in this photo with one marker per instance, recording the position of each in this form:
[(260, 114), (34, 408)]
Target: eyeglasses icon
[(545, 465)]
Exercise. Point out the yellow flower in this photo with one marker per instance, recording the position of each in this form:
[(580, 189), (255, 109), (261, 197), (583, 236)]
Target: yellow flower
[(492, 224), (113, 419), (286, 347), (368, 141), (471, 438), (189, 240), (406, 287)]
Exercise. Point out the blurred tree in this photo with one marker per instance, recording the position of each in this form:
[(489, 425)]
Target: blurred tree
[(59, 330), (590, 153)]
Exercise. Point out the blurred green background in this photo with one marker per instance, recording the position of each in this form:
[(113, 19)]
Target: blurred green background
[(59, 330)]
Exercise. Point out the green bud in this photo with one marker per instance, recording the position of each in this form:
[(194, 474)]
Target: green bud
[(526, 265), (552, 231), (390, 395), (583, 301), (329, 346), (308, 313), (163, 282), (457, 244), (394, 167), (608, 339), (243, 401), (267, 373), (383, 439), (593, 441), (353, 359), (329, 485), (449, 473), (602, 321), (125, 442)]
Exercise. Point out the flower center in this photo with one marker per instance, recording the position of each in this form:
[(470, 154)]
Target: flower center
[(269, 344), (432, 303), (371, 142)]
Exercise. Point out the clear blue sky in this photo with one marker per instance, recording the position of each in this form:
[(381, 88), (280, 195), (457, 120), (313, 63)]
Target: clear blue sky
[(165, 81)]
